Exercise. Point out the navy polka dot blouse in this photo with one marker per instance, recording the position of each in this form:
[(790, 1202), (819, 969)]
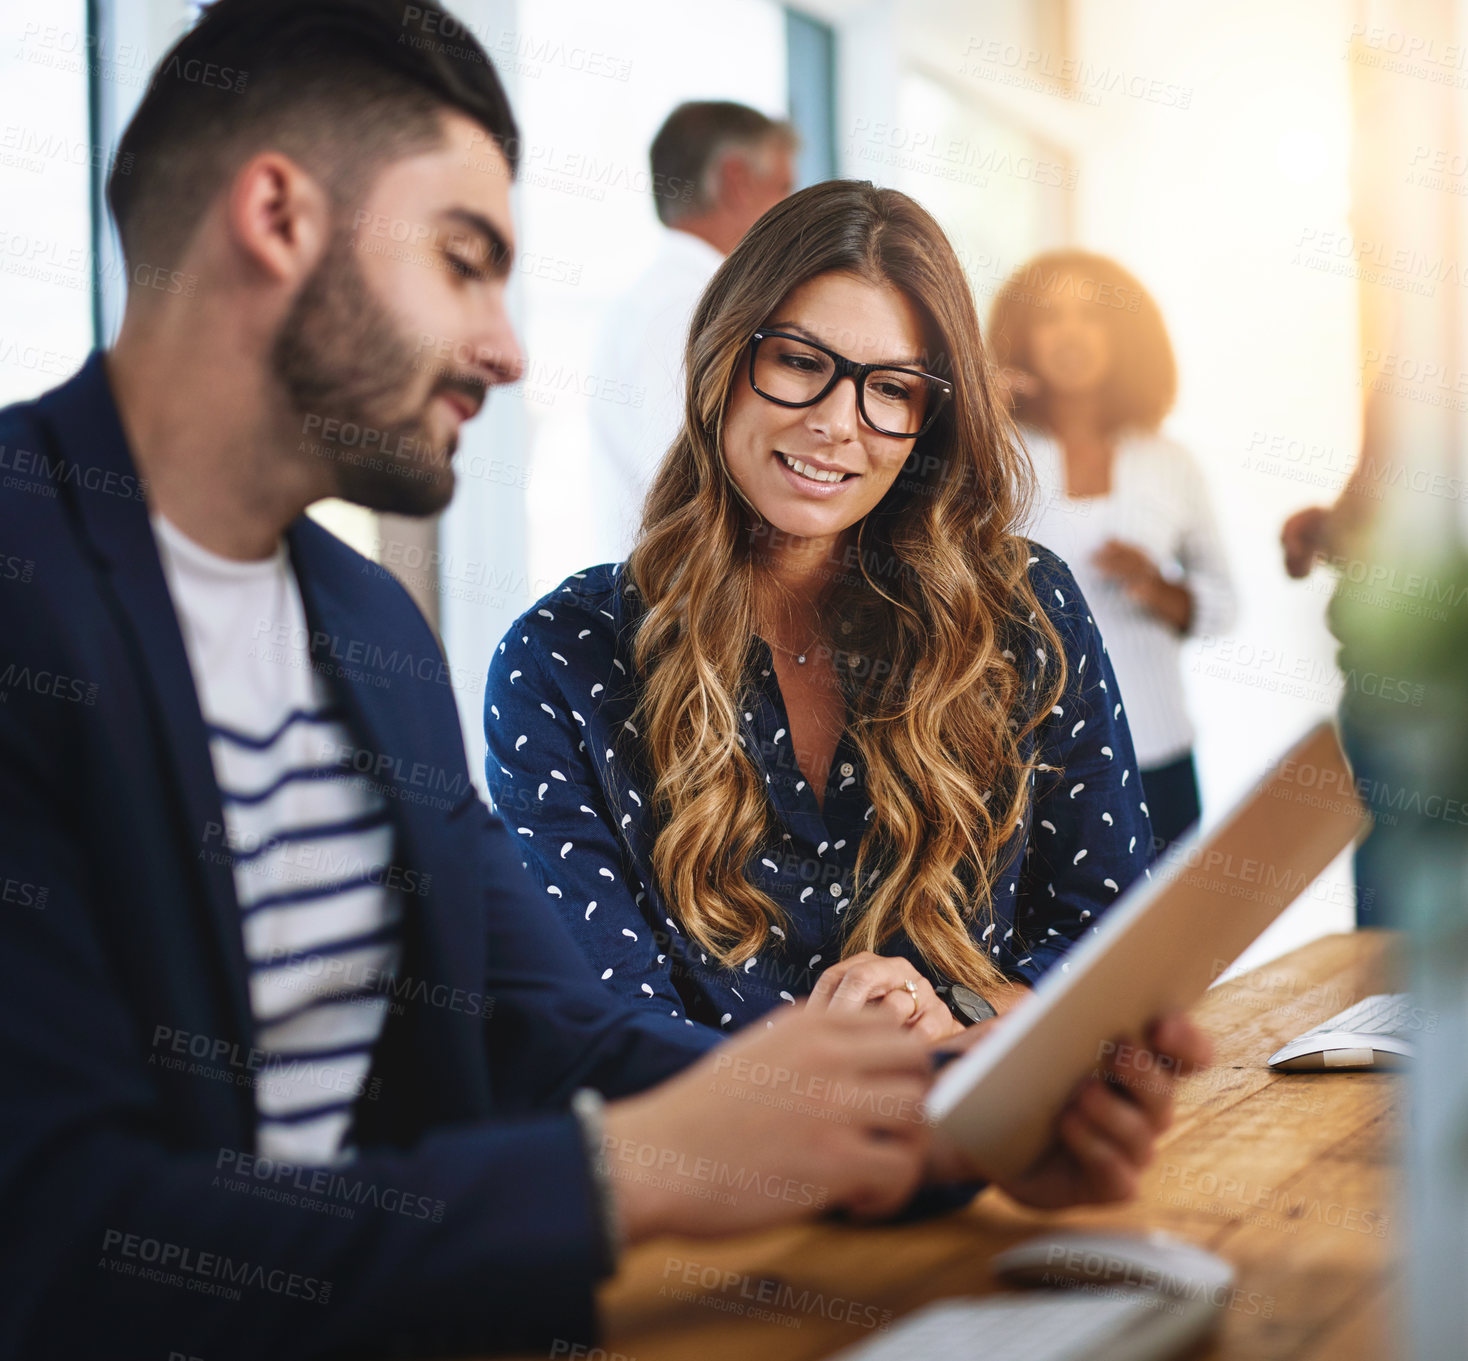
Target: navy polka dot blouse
[(562, 770)]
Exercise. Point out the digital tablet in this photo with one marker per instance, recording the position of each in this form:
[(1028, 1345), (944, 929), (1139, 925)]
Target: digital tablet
[(1155, 951)]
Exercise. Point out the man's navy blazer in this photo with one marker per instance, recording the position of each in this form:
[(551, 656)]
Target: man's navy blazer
[(136, 1221)]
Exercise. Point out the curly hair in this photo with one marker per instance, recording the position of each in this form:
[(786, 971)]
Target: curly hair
[(1141, 384), (946, 659)]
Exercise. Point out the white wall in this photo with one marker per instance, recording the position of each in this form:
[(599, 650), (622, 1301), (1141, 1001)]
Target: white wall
[(1215, 206), (590, 84), (587, 212), (45, 158)]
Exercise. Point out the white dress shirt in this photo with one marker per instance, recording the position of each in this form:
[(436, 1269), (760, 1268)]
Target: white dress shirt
[(1159, 502), (641, 353)]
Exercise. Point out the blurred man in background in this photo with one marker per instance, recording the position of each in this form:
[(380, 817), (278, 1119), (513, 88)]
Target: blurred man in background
[(717, 167)]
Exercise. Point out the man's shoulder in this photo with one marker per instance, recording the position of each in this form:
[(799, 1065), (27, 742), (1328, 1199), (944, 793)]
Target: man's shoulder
[(36, 512), (19, 415), (23, 454), (653, 310), (326, 560)]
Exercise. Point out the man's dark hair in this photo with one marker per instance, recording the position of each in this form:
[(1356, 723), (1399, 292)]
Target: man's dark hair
[(692, 139), (342, 86)]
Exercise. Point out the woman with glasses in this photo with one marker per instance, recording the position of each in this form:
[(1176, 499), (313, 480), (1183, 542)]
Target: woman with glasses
[(834, 730)]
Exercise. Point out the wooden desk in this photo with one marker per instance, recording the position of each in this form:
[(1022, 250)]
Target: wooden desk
[(1287, 1176)]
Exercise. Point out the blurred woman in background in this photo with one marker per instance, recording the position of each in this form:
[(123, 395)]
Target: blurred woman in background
[(1085, 357)]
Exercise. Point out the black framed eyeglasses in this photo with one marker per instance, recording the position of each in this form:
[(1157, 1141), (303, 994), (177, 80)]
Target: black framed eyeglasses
[(791, 370)]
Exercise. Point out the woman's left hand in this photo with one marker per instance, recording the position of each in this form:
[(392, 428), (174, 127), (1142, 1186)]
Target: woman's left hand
[(881, 981)]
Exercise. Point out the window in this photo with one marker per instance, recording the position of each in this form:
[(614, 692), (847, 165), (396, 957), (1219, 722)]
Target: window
[(812, 81), (46, 155)]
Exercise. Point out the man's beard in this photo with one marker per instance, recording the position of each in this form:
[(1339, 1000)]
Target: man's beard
[(343, 361)]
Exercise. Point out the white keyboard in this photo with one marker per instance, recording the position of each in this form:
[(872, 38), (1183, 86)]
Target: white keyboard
[(1375, 1033), (1388, 1013), (1107, 1323)]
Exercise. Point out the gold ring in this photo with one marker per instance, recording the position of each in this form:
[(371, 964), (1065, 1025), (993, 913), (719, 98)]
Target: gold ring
[(913, 993)]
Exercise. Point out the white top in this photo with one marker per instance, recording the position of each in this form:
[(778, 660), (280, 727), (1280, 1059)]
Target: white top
[(641, 345), (311, 845), (1158, 502)]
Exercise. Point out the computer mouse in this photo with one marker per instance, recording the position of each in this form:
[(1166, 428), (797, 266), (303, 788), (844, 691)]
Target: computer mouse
[(1331, 1049), (1151, 1261)]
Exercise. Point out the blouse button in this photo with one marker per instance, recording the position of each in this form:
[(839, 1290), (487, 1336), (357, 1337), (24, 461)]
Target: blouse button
[(835, 890), (847, 770)]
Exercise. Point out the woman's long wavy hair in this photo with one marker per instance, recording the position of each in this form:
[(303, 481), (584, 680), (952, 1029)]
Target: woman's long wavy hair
[(946, 658)]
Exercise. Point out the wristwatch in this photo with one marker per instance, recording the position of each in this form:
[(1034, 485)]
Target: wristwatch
[(966, 1004), (588, 1107)]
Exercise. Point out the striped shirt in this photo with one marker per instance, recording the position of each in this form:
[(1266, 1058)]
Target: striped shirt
[(311, 844), (1159, 502)]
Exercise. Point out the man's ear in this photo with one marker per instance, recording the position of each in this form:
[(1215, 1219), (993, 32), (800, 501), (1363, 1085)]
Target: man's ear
[(736, 179), (278, 216)]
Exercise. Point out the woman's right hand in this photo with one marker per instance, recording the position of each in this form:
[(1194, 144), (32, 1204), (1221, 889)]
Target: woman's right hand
[(1304, 536), (880, 983)]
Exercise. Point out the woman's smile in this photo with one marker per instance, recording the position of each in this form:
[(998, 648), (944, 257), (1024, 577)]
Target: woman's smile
[(813, 478)]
